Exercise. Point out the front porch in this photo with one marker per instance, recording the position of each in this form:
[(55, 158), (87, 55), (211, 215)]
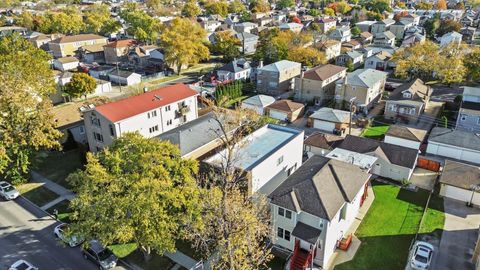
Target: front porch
[(341, 256)]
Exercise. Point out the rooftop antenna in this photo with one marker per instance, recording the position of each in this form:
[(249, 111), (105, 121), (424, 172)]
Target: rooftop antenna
[(156, 97)]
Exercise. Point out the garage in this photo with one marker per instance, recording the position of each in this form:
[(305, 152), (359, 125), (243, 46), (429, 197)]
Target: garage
[(278, 115), (460, 181), (324, 125)]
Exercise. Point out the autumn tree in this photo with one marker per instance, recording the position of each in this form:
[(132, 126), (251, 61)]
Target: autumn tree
[(329, 12), (447, 26), (67, 21), (138, 191), (25, 19), (81, 84), (191, 9), (234, 225), (217, 7), (341, 7), (226, 45), (97, 20), (143, 26), (259, 6), (308, 56), (281, 4), (236, 6), (26, 122), (471, 61), (275, 45), (424, 5), (441, 4), (378, 6), (431, 26), (183, 42)]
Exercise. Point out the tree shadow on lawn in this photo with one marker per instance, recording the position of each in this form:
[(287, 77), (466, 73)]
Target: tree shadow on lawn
[(380, 252)]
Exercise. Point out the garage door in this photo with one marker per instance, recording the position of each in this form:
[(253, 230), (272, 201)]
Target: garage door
[(278, 115), (324, 125)]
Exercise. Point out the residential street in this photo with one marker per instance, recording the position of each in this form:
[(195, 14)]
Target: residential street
[(27, 233)]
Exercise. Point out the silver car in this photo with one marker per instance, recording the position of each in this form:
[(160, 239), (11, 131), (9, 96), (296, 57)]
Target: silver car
[(421, 256), (7, 191)]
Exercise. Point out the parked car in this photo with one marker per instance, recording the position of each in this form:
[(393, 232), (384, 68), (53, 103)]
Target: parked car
[(22, 265), (71, 240), (422, 255), (7, 191), (100, 255)]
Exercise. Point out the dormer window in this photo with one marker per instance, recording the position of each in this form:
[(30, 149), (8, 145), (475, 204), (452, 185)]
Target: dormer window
[(407, 94)]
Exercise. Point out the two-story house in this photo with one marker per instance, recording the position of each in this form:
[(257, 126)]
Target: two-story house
[(318, 84), (332, 48), (408, 101), (118, 50), (380, 61), (277, 77), (353, 57), (469, 113), (149, 114), (248, 42), (326, 24), (238, 69), (68, 45), (399, 28), (342, 34), (314, 208), (382, 26), (451, 38), (384, 39), (362, 87)]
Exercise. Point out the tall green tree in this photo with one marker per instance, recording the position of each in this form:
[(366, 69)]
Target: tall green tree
[(259, 6), (183, 42), (236, 6), (285, 4), (471, 61), (81, 84), (226, 45), (143, 26), (191, 9), (26, 121), (138, 191), (447, 26), (217, 7), (97, 20)]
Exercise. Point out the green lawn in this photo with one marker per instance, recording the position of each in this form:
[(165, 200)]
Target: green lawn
[(388, 228), (56, 166), (37, 193), (123, 250), (434, 218), (156, 262), (63, 209), (375, 132)]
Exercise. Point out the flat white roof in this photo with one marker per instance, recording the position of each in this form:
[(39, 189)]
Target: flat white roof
[(357, 159)]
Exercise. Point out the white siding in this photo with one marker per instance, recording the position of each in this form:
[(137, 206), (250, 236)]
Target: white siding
[(324, 125), (278, 115), (402, 142), (459, 194), (453, 152)]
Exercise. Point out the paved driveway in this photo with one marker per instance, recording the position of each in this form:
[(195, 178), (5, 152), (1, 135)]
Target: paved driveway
[(458, 238)]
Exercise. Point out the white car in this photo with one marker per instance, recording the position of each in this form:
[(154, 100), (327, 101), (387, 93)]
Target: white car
[(70, 240), (421, 256), (7, 191), (22, 265)]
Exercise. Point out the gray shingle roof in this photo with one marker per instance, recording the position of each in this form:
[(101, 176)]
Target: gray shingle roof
[(408, 133), (460, 174), (320, 187), (280, 65), (365, 77), (259, 100), (331, 115), (458, 138), (398, 155), (306, 232)]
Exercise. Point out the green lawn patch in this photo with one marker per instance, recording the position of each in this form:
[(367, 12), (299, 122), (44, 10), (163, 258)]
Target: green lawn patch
[(375, 132), (434, 218), (388, 228), (63, 209), (56, 166), (231, 102), (123, 250), (37, 193), (156, 262)]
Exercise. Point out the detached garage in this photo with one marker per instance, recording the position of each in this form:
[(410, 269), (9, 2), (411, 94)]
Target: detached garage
[(328, 119), (455, 144), (459, 180), (285, 110)]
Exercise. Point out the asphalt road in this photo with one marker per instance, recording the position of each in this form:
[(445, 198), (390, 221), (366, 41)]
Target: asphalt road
[(27, 233)]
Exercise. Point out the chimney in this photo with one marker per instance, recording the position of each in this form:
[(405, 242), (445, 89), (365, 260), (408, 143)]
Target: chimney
[(145, 89), (260, 64)]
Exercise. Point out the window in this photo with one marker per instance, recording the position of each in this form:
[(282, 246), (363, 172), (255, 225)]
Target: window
[(281, 233), (284, 213), (343, 212), (112, 131), (168, 108), (153, 129), (287, 235), (154, 113), (94, 120), (98, 136), (279, 160), (148, 115), (169, 122), (463, 117), (478, 121), (82, 130), (184, 118)]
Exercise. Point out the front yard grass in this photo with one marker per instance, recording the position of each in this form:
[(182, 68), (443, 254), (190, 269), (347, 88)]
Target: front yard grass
[(37, 193), (388, 228), (57, 165), (156, 262), (375, 132), (123, 250), (63, 209), (434, 218)]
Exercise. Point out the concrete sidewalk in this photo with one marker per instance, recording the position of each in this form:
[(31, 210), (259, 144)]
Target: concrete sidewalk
[(63, 193), (182, 259)]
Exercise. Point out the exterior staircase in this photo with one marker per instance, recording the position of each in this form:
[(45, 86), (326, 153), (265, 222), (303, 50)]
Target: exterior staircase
[(300, 260)]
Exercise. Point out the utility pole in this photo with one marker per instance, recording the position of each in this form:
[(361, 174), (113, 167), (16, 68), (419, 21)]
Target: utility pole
[(350, 121), (119, 83)]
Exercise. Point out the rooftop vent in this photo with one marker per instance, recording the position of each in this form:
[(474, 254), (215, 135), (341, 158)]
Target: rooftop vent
[(156, 97)]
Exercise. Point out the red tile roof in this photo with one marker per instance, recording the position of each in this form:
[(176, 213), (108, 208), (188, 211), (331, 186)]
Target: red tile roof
[(126, 108), (121, 43)]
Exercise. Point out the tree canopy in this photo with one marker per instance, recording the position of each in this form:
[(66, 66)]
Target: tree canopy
[(191, 9), (236, 6), (275, 45), (143, 26), (258, 6), (226, 45), (138, 191), (81, 84), (217, 7), (183, 41), (26, 122)]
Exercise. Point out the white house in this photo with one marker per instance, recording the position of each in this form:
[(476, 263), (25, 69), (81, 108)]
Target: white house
[(294, 27), (268, 156), (461, 182), (238, 69), (124, 77), (405, 136), (393, 161), (65, 63), (451, 38), (315, 207), (149, 114), (258, 103), (456, 144)]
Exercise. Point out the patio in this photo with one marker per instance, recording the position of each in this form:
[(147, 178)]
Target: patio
[(423, 178)]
